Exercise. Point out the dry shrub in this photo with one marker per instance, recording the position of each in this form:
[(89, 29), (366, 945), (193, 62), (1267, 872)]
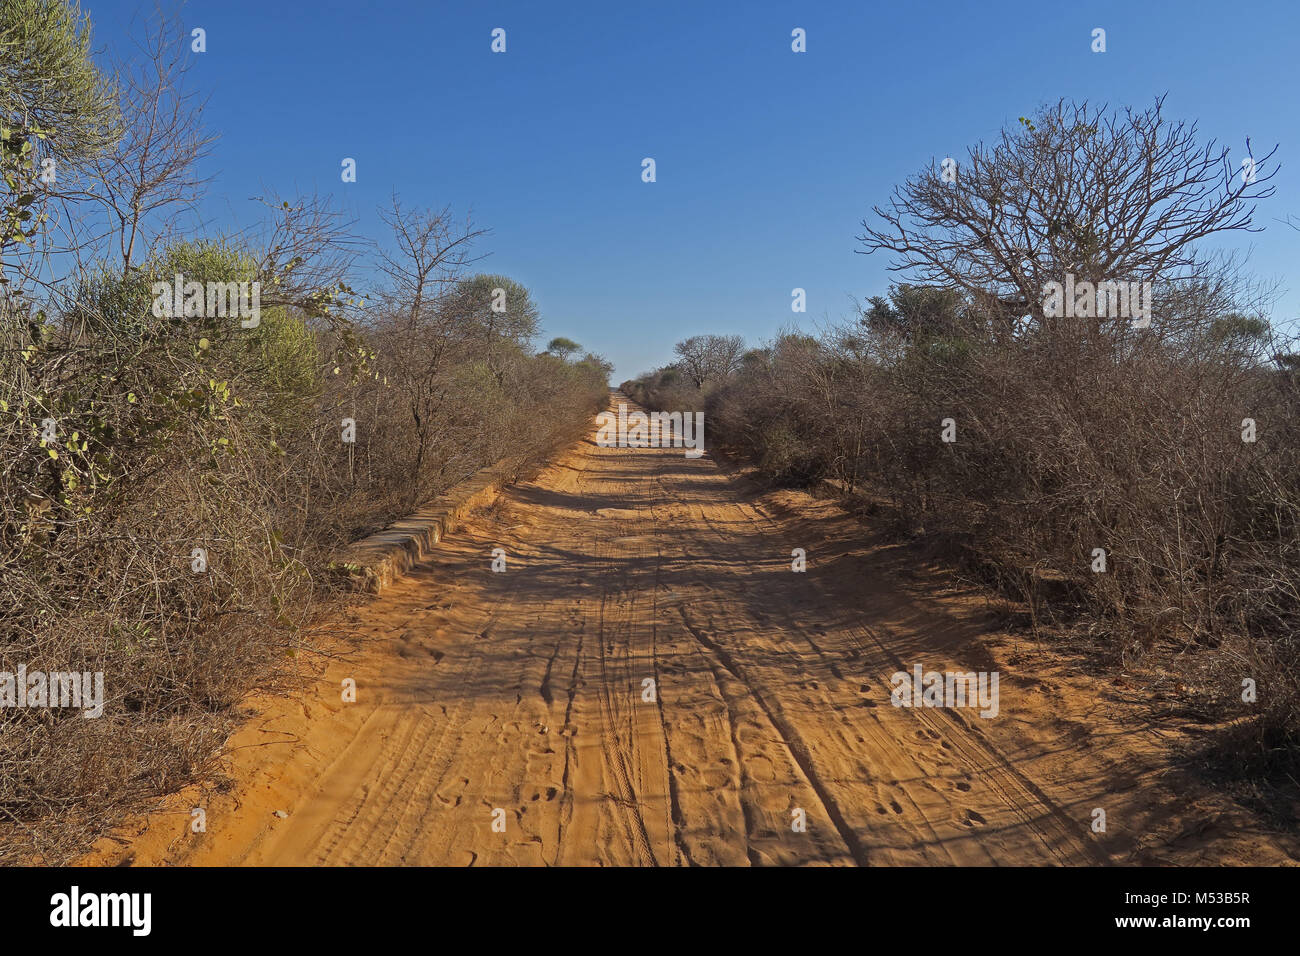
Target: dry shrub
[(1070, 437), (1077, 433), (181, 434), (178, 437)]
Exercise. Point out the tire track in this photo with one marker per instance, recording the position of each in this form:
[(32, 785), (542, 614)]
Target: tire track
[(770, 694)]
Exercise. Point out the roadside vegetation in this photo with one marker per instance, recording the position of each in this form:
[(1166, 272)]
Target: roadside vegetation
[(1134, 486), (173, 487)]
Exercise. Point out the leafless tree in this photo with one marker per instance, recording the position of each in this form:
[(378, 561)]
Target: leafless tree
[(703, 358), (305, 253), (430, 251), (152, 173), (1075, 189), (415, 329)]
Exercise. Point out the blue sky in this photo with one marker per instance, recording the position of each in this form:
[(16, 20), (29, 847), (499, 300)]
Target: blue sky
[(767, 160)]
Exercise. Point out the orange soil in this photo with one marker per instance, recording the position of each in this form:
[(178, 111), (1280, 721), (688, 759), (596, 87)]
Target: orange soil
[(523, 691)]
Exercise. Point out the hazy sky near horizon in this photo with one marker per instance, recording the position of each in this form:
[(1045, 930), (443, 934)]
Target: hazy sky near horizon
[(766, 160)]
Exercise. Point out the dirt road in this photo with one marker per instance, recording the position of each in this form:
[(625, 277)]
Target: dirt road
[(525, 692)]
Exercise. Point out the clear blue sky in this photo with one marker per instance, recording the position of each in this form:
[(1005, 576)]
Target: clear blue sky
[(767, 160)]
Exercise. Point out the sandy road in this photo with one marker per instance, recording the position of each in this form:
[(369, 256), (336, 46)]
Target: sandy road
[(525, 692)]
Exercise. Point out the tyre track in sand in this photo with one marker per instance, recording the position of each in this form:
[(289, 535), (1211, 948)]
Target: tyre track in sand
[(521, 692)]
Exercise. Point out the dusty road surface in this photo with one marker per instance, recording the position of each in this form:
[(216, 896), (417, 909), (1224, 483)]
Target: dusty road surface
[(521, 697)]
